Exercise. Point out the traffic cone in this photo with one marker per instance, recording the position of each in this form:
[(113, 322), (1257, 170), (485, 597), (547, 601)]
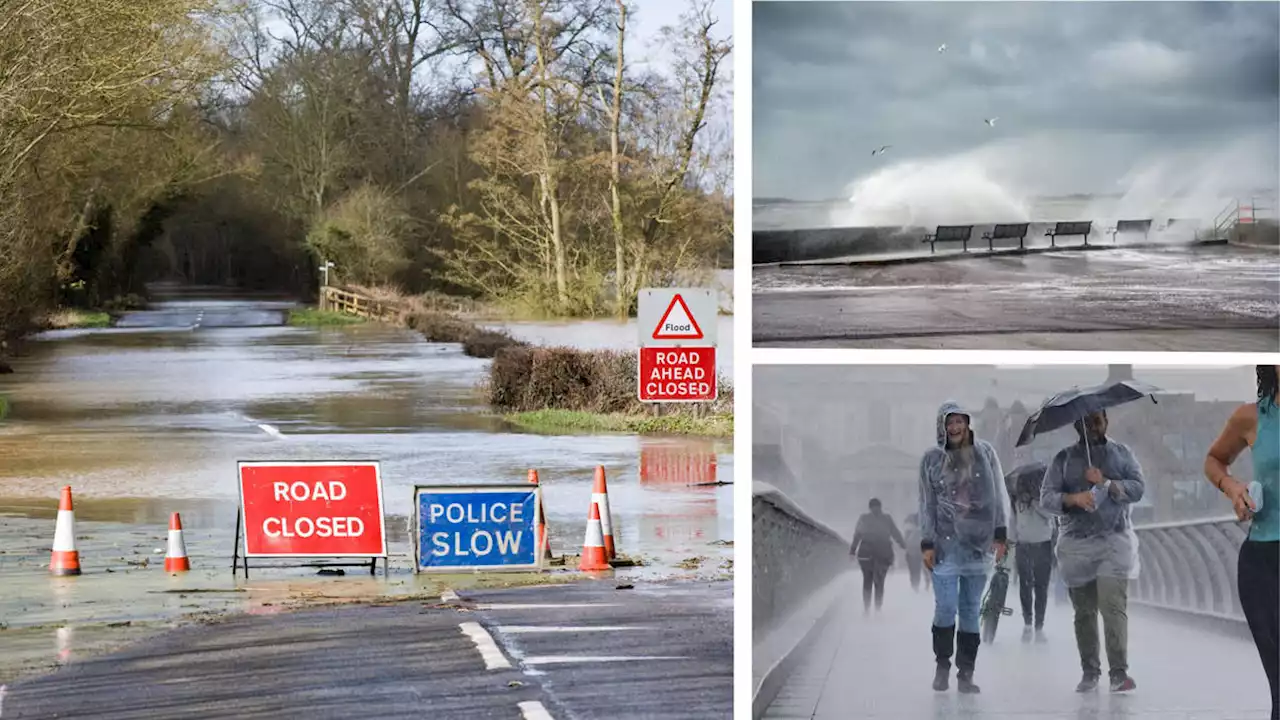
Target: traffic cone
[(542, 537), (65, 560), (176, 559), (593, 552), (600, 496)]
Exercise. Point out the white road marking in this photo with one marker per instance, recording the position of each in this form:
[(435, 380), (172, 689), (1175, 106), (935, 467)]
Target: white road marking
[(540, 606), (527, 629), (449, 596), (558, 659), (493, 657), (533, 710)]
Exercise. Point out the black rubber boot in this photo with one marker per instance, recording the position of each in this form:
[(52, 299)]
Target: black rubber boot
[(944, 644), (966, 655)]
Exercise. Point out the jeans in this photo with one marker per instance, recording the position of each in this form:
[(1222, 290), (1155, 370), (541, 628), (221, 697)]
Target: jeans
[(915, 566), (1259, 586), (1035, 564), (873, 573), (1109, 597), (961, 594)]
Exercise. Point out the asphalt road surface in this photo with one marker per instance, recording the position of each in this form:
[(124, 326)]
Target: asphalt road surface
[(579, 651), (1207, 299)]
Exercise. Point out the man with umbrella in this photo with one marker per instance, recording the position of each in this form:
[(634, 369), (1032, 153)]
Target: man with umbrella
[(1090, 485)]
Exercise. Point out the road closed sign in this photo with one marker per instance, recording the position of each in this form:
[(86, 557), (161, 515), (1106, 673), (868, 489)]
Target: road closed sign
[(476, 527), (686, 374), (320, 509)]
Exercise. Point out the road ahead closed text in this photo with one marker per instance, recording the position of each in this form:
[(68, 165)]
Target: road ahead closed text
[(324, 510), (675, 374), (476, 529)]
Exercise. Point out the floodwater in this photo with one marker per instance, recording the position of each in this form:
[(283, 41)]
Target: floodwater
[(150, 418)]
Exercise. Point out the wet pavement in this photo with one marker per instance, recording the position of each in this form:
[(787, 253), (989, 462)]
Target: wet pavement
[(1207, 299), (881, 667), (145, 423), (582, 651)]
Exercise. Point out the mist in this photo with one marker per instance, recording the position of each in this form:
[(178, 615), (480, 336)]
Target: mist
[(833, 437)]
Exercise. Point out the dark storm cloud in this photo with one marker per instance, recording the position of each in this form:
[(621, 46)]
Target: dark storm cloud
[(1100, 85)]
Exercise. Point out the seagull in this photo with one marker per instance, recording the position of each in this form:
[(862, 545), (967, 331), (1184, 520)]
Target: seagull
[(942, 48), (991, 122), (880, 150)]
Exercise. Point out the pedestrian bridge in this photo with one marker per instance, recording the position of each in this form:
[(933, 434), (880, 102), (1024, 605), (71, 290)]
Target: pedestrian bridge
[(817, 656)]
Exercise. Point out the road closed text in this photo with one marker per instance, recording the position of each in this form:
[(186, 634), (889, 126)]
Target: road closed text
[(312, 510), (677, 374)]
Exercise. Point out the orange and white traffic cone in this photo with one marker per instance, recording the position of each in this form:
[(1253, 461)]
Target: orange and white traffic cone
[(600, 496), (65, 560), (176, 559), (543, 539), (593, 553)]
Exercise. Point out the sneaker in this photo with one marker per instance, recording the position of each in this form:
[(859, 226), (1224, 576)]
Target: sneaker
[(964, 684), (1088, 683), (1026, 634), (1121, 682), (1040, 637)]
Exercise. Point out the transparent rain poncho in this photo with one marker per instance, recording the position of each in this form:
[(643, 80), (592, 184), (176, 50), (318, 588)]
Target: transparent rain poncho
[(961, 505), (1102, 542)]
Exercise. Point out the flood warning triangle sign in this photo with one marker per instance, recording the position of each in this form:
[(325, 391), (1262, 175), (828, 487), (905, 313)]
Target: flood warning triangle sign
[(677, 322)]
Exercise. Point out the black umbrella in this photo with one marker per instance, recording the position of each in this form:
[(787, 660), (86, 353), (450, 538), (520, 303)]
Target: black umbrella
[(1071, 405)]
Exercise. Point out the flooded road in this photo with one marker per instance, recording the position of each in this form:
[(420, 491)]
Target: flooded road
[(150, 418)]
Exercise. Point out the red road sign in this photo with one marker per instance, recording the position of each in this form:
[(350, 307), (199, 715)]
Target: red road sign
[(684, 374), (305, 509), (678, 465), (677, 322)]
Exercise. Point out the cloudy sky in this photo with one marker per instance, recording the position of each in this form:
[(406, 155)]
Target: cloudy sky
[(1091, 97)]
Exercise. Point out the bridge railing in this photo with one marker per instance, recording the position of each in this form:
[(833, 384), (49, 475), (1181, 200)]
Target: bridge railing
[(1190, 566), (792, 555)]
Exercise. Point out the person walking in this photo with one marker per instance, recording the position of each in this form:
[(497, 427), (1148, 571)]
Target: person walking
[(1032, 533), (873, 539), (915, 563), (1090, 486), (1256, 426), (963, 525)]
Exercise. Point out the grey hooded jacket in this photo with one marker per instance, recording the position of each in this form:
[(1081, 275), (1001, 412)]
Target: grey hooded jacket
[(961, 514)]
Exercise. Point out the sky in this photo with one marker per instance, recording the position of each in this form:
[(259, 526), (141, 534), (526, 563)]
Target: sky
[(1089, 97)]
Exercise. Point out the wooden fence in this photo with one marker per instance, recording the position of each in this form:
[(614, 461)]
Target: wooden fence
[(349, 303)]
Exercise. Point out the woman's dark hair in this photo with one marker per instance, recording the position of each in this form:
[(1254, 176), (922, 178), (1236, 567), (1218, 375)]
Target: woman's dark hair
[(1267, 382)]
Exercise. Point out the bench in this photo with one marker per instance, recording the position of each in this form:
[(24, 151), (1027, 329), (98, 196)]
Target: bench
[(1130, 226), (1068, 229), (949, 233), (1013, 231)]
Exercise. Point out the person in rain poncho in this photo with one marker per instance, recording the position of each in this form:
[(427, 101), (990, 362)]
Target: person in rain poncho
[(873, 539), (1090, 486), (1032, 531), (963, 515)]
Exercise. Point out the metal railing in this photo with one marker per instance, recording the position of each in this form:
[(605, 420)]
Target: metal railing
[(791, 555), (1190, 566), (1236, 213)]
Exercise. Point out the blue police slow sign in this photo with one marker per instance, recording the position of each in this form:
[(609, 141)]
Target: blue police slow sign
[(477, 527)]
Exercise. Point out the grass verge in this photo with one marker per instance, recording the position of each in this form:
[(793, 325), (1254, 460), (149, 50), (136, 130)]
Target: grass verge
[(568, 422), (311, 317), (69, 318)]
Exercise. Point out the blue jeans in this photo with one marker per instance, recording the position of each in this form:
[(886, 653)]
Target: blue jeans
[(958, 593)]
